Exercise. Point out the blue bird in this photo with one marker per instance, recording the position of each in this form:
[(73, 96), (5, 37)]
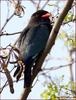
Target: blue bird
[(32, 42)]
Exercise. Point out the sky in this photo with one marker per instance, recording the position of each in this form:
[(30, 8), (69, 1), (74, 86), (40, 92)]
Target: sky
[(58, 51)]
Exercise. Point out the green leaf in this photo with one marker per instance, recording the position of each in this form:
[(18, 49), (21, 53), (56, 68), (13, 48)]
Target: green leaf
[(45, 94), (51, 5), (50, 86), (69, 16), (70, 42), (53, 97), (62, 86), (63, 35), (66, 87), (73, 85), (55, 88)]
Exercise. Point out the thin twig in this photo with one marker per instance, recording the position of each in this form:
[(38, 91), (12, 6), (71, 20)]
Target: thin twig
[(45, 4), (38, 5), (8, 34), (66, 22), (57, 67), (7, 20)]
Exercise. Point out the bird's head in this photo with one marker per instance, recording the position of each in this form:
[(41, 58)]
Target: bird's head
[(40, 15)]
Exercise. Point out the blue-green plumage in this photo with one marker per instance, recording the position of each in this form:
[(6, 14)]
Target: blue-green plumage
[(32, 41)]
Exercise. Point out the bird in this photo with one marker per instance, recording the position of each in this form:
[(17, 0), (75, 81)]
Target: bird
[(32, 42)]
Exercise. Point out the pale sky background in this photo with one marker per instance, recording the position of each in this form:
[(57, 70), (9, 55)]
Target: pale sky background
[(59, 50)]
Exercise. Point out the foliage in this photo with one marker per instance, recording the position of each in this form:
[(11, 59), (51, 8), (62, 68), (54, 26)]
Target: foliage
[(69, 16), (55, 90), (73, 85), (68, 40)]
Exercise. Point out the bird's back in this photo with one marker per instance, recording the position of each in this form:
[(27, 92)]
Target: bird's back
[(35, 40)]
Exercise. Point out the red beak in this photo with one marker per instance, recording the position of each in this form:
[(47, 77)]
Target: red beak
[(46, 15)]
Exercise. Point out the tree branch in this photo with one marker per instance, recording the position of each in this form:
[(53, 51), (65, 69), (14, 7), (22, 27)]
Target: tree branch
[(66, 22), (58, 67), (49, 45), (7, 20), (8, 34)]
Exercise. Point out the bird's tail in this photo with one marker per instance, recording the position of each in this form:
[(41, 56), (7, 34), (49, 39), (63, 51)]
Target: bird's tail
[(28, 71), (27, 76)]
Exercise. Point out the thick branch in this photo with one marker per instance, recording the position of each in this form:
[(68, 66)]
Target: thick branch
[(49, 45)]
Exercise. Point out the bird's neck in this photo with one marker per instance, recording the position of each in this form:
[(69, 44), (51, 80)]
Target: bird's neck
[(38, 22)]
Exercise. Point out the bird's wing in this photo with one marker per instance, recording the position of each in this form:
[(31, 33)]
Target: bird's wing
[(36, 40), (23, 35)]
